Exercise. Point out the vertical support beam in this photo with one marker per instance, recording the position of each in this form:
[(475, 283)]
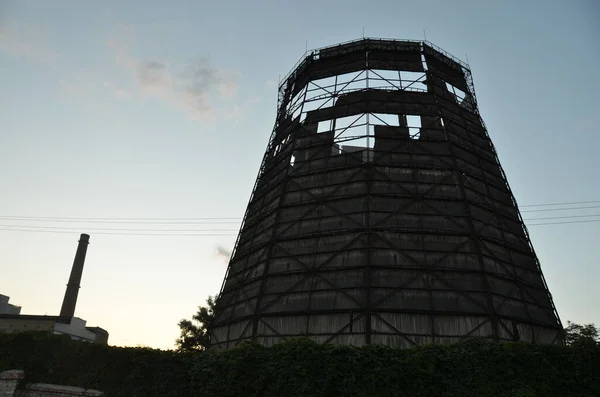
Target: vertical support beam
[(472, 232)]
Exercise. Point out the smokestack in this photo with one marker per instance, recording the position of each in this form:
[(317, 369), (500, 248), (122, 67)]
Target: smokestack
[(68, 305)]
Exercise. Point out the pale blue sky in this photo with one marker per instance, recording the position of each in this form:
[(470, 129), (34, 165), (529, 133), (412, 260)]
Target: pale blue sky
[(158, 110)]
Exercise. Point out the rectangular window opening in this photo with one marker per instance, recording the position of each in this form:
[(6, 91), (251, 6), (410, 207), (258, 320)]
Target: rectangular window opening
[(392, 120), (294, 106), (357, 144), (459, 95), (296, 112), (413, 81), (414, 126), (382, 79), (315, 104), (349, 121), (345, 78), (350, 128), (302, 117), (325, 125), (358, 84), (327, 83), (298, 98)]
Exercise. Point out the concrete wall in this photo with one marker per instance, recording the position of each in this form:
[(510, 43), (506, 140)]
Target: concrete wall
[(10, 379), (10, 325), (74, 327)]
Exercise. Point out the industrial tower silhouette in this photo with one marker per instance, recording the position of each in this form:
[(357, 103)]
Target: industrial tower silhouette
[(381, 214)]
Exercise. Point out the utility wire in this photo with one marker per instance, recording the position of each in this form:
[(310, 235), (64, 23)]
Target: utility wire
[(12, 218), (228, 230), (192, 220), (117, 230), (567, 203), (106, 219), (563, 209), (217, 222), (563, 223), (561, 217), (195, 233), (123, 234)]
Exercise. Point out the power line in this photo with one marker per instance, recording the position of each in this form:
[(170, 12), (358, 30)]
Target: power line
[(108, 218), (567, 203), (199, 233), (226, 230), (563, 209), (13, 218), (191, 221), (125, 234), (199, 220), (563, 223), (561, 217), (118, 229)]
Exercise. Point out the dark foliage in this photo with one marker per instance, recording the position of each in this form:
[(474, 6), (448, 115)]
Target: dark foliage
[(301, 367), (583, 336), (195, 333)]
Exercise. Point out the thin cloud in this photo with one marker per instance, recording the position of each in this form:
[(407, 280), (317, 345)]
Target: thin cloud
[(152, 75), (83, 83), (26, 41), (196, 87), (194, 84)]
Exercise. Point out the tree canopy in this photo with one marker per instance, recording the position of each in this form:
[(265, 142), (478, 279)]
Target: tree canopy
[(584, 336), (195, 333)]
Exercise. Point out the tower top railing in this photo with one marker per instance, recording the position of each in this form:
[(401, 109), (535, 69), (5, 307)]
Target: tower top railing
[(315, 51)]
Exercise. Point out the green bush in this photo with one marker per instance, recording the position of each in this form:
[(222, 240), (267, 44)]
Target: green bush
[(300, 367)]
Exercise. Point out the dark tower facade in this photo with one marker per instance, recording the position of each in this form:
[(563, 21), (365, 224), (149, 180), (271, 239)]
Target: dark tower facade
[(70, 299), (381, 214)]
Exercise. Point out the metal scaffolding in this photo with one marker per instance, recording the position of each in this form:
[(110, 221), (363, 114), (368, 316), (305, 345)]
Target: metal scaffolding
[(381, 214)]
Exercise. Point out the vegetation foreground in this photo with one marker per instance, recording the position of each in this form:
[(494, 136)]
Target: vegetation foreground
[(301, 367)]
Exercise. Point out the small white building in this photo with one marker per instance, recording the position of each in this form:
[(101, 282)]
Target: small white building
[(78, 331), (11, 321)]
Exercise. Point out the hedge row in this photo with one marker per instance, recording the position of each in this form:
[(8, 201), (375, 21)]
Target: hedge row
[(301, 367)]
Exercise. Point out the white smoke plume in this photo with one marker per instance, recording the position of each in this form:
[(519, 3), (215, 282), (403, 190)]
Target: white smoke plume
[(223, 253)]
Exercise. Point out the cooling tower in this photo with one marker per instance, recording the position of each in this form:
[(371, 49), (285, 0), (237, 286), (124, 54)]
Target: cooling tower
[(381, 214)]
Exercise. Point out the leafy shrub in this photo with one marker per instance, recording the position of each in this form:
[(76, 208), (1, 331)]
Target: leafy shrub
[(300, 367)]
